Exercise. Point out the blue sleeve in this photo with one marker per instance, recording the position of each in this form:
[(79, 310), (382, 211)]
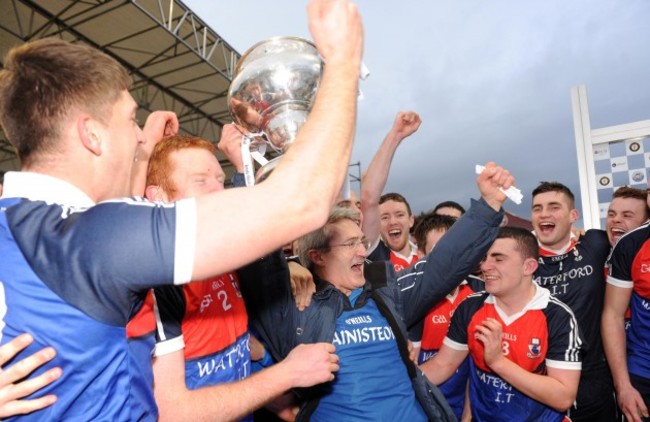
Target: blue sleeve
[(103, 259), (564, 343), (380, 253), (459, 251), (475, 283), (414, 332), (624, 253), (457, 331)]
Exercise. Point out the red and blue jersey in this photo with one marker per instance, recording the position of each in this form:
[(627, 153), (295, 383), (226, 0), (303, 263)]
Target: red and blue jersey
[(544, 334), (436, 325), (629, 268), (437, 322), (381, 252), (208, 321)]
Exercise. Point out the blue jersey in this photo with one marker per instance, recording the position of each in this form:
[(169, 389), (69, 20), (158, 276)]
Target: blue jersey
[(368, 386), (74, 276), (577, 278), (630, 269)]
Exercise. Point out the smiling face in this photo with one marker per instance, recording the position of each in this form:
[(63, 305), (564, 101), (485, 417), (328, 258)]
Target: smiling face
[(395, 224), (342, 265), (195, 172), (623, 215), (120, 137), (552, 218), (505, 271)]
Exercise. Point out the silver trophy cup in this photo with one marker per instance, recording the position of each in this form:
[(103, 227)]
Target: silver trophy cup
[(271, 95)]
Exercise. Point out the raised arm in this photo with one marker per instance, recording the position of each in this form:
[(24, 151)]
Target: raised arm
[(307, 181), (459, 251), (159, 125), (302, 281), (490, 182), (374, 180), (230, 145)]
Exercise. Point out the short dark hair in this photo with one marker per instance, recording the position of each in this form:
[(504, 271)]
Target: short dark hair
[(633, 193), (43, 80), (544, 187), (526, 242), (630, 192), (429, 222), (392, 196), (450, 204)]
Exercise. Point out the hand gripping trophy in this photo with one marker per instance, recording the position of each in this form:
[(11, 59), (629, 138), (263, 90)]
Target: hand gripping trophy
[(271, 95)]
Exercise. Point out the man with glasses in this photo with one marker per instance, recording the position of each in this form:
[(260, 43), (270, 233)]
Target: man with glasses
[(363, 309), (76, 263)]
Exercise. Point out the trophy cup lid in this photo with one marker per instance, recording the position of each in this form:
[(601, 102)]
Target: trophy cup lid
[(275, 45)]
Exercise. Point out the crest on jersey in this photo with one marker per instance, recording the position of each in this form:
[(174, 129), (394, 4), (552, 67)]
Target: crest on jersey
[(534, 348), (577, 255)]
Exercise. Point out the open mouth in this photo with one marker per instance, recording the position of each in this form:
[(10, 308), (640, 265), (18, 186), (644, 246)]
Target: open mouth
[(546, 228), (394, 235), (357, 267), (617, 233)]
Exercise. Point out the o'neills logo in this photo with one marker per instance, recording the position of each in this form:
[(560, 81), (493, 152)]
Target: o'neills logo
[(534, 348), (362, 319)]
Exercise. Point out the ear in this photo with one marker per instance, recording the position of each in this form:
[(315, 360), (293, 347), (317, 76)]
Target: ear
[(574, 215), (316, 257), (530, 266), (88, 130), (411, 221), (155, 193)]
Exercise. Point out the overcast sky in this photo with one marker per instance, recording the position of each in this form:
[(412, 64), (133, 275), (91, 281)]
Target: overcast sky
[(490, 79)]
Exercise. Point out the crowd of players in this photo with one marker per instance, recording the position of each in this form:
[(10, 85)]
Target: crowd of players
[(181, 304)]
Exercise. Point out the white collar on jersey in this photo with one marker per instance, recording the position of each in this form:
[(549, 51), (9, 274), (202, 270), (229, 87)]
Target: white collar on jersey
[(414, 252), (561, 251), (40, 187), (539, 301)]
